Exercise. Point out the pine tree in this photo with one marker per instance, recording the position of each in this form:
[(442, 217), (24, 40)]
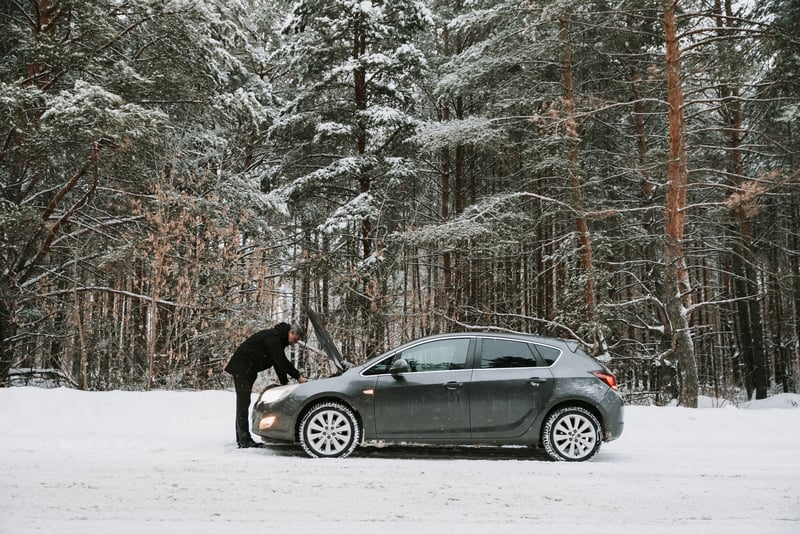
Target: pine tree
[(349, 91), (102, 106)]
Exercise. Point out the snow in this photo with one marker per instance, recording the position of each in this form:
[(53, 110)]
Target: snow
[(158, 462), (355, 210)]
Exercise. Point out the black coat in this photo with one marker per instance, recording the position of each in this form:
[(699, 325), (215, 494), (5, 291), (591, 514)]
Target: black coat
[(263, 350)]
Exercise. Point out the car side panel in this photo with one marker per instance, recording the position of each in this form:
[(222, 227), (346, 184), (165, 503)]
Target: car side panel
[(504, 403), (423, 406)]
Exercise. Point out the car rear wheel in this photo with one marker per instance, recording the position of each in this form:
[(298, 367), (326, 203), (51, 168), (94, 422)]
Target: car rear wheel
[(571, 434), (329, 430)]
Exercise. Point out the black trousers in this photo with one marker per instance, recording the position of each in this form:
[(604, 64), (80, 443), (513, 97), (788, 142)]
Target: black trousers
[(244, 389)]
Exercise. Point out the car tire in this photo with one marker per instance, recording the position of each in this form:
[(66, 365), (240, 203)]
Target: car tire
[(572, 434), (329, 430)]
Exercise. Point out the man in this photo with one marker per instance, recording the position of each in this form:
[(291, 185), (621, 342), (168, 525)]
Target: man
[(261, 351)]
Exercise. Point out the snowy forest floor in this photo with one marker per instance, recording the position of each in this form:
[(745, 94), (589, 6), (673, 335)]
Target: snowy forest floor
[(166, 462)]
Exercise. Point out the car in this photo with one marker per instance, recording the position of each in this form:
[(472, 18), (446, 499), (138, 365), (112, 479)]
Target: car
[(469, 388)]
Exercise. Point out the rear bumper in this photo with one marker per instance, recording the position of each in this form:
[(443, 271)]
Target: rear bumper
[(614, 422)]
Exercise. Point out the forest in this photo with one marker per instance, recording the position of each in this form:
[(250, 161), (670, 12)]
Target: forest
[(176, 174)]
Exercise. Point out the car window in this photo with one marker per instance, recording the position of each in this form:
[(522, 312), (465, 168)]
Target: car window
[(439, 355), (381, 368), (503, 353), (548, 354)]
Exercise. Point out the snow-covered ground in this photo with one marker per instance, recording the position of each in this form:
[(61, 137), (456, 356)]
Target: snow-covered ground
[(165, 462)]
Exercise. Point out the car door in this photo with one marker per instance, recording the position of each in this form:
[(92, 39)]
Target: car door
[(431, 400), (510, 385)]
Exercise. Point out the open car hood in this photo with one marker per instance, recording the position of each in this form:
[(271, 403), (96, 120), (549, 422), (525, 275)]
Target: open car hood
[(325, 340)]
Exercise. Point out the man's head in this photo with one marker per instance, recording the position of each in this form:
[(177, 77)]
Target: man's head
[(296, 333)]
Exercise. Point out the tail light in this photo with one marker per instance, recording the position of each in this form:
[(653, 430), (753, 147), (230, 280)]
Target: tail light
[(609, 379)]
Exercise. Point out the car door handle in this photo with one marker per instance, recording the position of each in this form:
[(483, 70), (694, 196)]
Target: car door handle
[(536, 380), (453, 385)]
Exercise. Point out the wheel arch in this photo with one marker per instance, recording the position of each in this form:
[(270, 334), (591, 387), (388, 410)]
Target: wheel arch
[(568, 403)]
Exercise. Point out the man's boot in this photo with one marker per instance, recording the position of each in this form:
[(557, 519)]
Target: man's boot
[(247, 442)]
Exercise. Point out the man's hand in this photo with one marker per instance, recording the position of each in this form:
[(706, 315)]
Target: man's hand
[(302, 379)]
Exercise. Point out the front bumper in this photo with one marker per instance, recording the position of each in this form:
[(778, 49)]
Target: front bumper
[(275, 420)]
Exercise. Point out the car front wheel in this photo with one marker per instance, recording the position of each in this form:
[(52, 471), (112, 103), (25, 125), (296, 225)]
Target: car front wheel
[(329, 430), (571, 434)]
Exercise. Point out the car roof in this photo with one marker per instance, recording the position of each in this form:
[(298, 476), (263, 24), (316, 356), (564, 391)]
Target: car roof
[(530, 338), (562, 344)]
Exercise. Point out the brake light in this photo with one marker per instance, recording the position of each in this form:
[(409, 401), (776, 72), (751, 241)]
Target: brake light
[(609, 379)]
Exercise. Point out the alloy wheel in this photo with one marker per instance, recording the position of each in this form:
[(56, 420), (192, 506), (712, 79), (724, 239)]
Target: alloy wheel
[(329, 430), (571, 434)]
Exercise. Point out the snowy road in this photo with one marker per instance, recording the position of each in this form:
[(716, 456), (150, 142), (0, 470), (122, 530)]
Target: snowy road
[(165, 462)]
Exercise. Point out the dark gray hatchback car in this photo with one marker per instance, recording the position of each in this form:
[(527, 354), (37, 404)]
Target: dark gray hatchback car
[(452, 389)]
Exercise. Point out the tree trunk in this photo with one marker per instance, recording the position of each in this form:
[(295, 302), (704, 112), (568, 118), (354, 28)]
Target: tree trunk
[(582, 226), (574, 181), (371, 291), (746, 285), (648, 188), (677, 289), (794, 362), (459, 256), (6, 333), (444, 296)]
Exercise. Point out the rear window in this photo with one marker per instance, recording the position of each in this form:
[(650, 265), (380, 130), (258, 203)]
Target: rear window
[(548, 354), (503, 353)]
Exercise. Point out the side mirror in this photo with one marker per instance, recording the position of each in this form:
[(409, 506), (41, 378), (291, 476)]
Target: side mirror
[(399, 366)]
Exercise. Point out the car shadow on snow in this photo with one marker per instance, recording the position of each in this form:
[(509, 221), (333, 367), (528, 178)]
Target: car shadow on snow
[(418, 452)]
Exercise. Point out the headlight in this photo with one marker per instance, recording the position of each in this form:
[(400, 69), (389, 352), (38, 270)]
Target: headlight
[(266, 422), (275, 394)]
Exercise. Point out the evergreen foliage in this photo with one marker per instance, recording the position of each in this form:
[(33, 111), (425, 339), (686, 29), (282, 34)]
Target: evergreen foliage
[(175, 174)]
